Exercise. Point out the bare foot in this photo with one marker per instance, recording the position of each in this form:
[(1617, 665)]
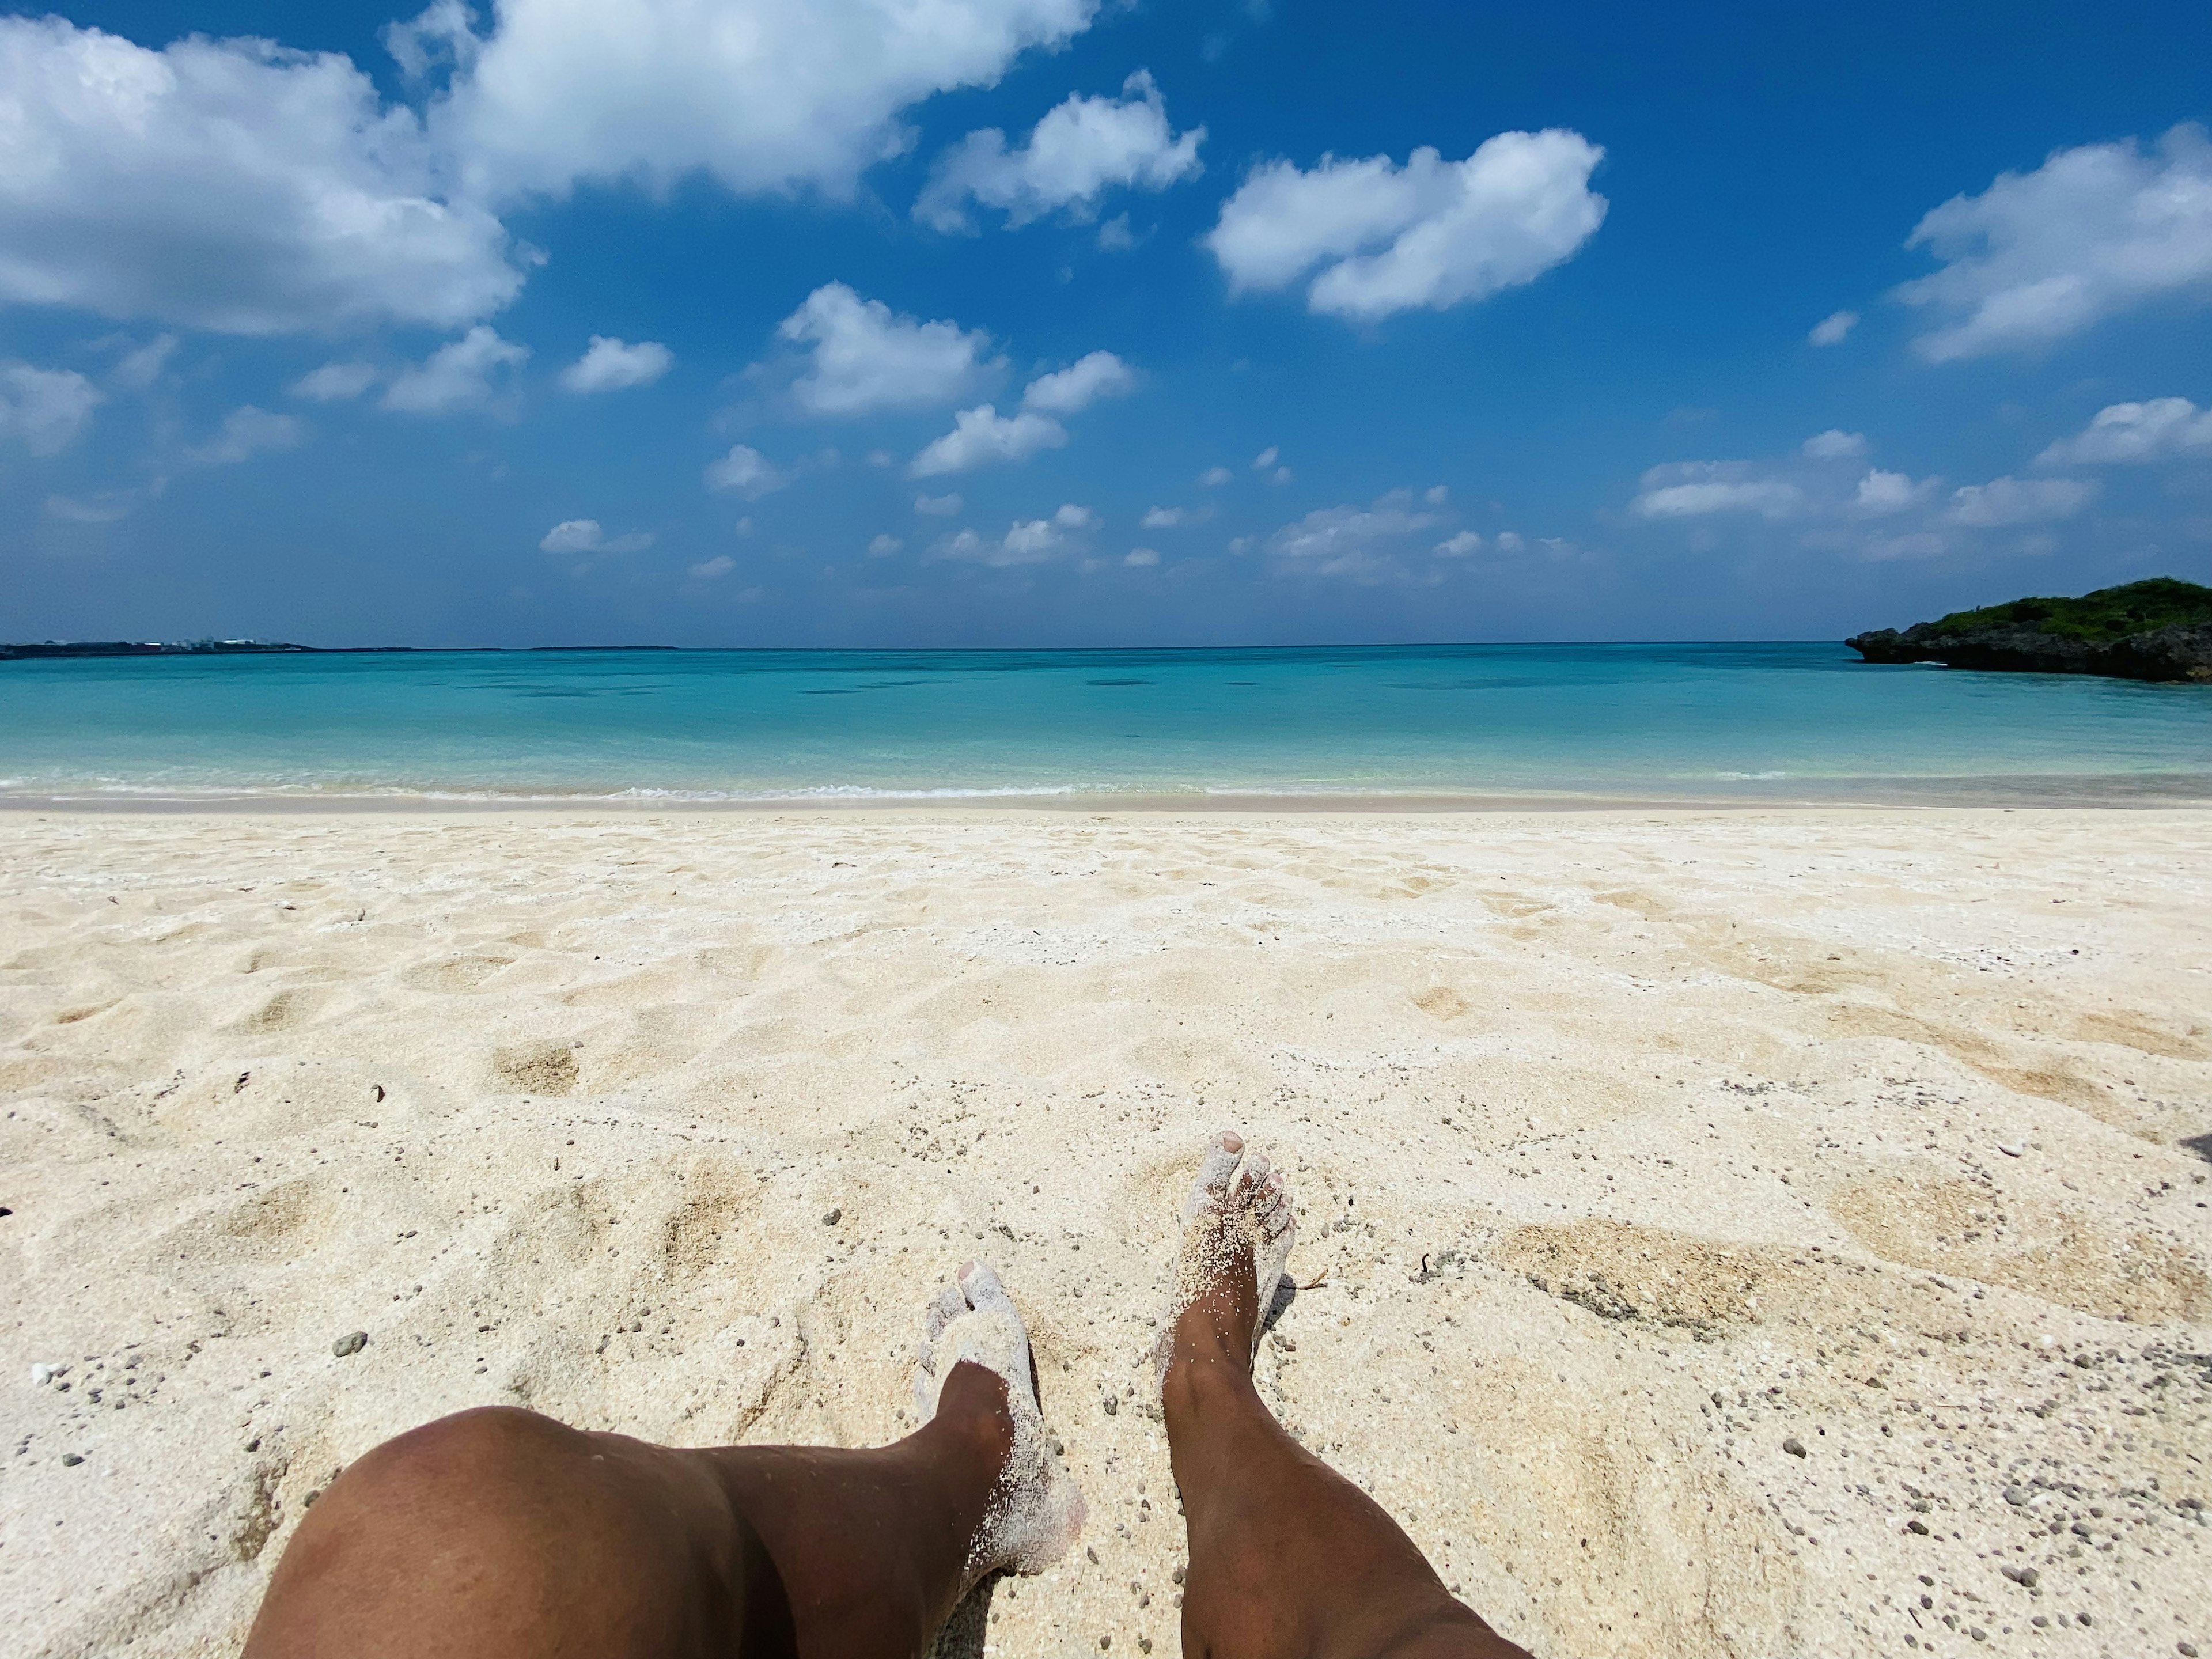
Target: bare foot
[(1036, 1510), (1237, 1229)]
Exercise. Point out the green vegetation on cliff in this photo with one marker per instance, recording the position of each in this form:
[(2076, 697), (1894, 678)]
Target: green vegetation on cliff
[(2098, 618)]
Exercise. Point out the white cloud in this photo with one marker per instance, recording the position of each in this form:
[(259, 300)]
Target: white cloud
[(863, 358), (1880, 494), (1350, 542), (2163, 429), (708, 570), (233, 186), (1072, 155), (1716, 492), (100, 509), (1510, 541), (1835, 445), (742, 528), (608, 365), (1141, 557), (1266, 459), (982, 435), (1033, 541), (765, 96), (1281, 475), (2039, 256), (1913, 544), (456, 376), (1168, 518), (585, 536), (1214, 476), (1436, 494), (1833, 328), (1114, 236), (1431, 233), (882, 547), (45, 409), (746, 470), (938, 507), (1075, 388), (334, 383), (247, 432), (1459, 546), (2005, 502), (141, 368), (1072, 517)]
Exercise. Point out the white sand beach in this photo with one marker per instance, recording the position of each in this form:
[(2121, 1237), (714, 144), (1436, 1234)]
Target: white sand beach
[(1749, 1233)]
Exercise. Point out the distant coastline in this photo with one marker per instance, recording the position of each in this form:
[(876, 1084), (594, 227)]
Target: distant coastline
[(45, 650)]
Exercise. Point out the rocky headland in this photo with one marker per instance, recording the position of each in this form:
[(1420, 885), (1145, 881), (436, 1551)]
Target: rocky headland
[(2157, 629)]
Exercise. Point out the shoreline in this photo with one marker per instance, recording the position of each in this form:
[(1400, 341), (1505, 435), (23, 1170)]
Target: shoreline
[(2170, 791)]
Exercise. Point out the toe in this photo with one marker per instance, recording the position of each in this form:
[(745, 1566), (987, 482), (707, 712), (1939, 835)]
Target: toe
[(983, 1290), (1215, 1173), (947, 1305), (1251, 1177)]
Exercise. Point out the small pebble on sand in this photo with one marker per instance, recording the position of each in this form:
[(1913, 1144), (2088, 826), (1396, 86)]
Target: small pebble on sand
[(351, 1344)]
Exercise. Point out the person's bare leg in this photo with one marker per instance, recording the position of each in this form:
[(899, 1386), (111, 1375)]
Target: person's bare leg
[(1288, 1560), (503, 1535)]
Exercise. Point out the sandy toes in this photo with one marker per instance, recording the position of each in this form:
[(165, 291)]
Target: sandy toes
[(1037, 1511), (1239, 1212)]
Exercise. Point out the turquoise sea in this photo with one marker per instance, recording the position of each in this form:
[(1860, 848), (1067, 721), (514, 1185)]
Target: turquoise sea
[(1779, 721)]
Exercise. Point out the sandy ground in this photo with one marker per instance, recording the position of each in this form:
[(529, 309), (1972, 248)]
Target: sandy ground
[(1757, 1233)]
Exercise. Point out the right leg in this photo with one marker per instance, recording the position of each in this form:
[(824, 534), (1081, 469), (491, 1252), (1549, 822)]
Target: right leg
[(1287, 1558)]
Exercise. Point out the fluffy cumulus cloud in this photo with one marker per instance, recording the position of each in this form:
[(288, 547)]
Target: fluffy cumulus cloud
[(747, 471), (2039, 256), (1830, 498), (1075, 388), (764, 96), (612, 365), (1214, 476), (458, 376), (44, 409), (938, 507), (585, 536), (860, 357), (1078, 151), (2162, 429), (1027, 541), (2003, 502), (239, 186), (231, 185), (1353, 544), (982, 437), (247, 432), (1385, 238)]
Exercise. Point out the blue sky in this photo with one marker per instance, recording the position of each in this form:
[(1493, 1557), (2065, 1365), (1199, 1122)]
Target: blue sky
[(1065, 322)]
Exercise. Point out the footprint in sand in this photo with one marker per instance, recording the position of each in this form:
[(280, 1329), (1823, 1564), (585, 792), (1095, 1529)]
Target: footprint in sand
[(537, 1069)]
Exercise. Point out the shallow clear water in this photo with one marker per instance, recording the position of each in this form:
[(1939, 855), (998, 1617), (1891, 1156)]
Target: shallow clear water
[(1784, 721)]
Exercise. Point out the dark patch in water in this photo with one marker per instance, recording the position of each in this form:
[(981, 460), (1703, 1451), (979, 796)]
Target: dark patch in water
[(890, 685), (1120, 682), (832, 691), (1465, 685), (556, 693)]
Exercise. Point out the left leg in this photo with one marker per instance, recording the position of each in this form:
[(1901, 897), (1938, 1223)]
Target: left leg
[(503, 1534)]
